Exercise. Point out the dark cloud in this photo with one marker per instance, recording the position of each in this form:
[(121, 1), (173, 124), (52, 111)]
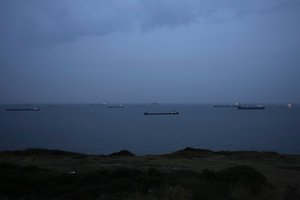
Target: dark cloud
[(149, 50), (38, 23)]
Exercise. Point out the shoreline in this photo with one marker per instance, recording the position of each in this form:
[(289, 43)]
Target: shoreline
[(37, 150)]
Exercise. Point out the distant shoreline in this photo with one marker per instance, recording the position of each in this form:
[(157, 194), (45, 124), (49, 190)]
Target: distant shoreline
[(188, 151)]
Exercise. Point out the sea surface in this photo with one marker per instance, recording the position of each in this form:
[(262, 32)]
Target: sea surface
[(97, 129)]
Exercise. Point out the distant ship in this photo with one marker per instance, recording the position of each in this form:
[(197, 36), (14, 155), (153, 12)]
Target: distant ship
[(251, 107), (97, 104), (289, 106), (162, 113), (116, 106), (226, 105), (23, 109)]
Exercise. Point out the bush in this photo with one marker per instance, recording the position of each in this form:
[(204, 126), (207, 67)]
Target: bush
[(248, 177), (22, 182), (242, 174), (212, 191), (125, 153)]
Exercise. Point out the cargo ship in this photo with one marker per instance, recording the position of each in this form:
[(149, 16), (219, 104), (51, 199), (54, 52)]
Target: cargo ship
[(289, 106), (251, 107), (116, 106), (161, 113), (226, 105), (23, 109)]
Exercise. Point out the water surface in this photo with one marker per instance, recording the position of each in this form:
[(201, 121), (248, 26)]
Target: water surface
[(99, 130)]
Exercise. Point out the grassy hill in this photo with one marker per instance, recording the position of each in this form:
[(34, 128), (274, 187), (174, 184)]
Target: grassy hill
[(185, 174)]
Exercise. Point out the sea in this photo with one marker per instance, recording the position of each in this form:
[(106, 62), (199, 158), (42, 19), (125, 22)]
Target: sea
[(97, 129)]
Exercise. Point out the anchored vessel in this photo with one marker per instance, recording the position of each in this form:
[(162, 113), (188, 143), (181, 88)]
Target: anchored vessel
[(251, 107), (226, 105), (289, 106), (23, 109), (161, 113), (116, 106)]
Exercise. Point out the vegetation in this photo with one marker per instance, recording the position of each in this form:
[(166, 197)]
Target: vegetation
[(185, 174), (44, 152), (19, 182), (189, 152), (122, 153)]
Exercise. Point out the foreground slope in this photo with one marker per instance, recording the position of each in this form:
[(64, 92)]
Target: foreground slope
[(186, 174)]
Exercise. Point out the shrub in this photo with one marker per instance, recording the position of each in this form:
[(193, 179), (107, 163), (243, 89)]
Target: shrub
[(123, 153), (31, 182)]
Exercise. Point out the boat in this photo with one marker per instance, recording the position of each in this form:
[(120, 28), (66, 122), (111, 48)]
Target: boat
[(226, 105), (23, 109), (97, 104), (289, 106), (116, 106), (251, 107), (162, 113)]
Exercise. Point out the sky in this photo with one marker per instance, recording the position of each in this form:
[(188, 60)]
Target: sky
[(141, 51)]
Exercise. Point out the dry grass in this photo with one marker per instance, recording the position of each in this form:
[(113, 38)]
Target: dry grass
[(185, 174)]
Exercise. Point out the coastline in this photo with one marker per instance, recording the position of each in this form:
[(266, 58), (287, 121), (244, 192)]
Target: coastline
[(282, 172)]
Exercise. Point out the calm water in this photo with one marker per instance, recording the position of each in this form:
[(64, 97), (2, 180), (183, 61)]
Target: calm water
[(100, 130)]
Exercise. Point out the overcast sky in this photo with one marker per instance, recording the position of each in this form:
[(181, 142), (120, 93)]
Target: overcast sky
[(179, 51)]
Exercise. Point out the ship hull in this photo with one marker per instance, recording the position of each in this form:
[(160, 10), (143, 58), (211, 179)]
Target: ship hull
[(250, 107), (115, 106), (162, 113), (22, 109)]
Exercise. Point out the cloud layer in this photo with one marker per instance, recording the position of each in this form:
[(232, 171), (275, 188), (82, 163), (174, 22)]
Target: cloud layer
[(35, 22)]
